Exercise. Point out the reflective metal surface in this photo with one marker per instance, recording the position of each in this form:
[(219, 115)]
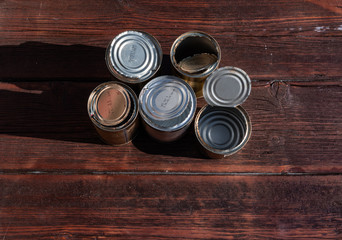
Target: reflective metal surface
[(222, 131), (113, 109), (227, 87), (134, 56), (167, 104)]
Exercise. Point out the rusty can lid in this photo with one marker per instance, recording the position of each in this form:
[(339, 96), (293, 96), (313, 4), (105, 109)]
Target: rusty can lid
[(134, 56), (167, 103), (227, 87)]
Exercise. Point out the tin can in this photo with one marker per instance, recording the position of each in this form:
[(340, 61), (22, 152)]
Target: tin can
[(113, 109), (222, 127), (134, 57), (167, 106), (195, 55), (222, 131)]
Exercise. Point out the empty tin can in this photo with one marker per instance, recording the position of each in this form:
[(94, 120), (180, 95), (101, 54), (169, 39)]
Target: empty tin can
[(195, 55), (113, 109), (134, 57), (167, 106), (222, 127)]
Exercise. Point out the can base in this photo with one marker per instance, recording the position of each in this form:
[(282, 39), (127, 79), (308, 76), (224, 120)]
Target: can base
[(164, 137)]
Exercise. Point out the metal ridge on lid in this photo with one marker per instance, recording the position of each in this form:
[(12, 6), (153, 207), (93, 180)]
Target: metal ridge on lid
[(134, 56), (167, 103), (227, 87)]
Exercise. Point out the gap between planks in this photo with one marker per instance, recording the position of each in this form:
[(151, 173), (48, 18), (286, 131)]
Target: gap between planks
[(160, 173)]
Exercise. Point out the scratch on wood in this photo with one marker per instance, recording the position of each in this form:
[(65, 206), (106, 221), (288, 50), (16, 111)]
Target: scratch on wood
[(40, 8), (13, 88), (327, 5), (6, 232), (279, 90)]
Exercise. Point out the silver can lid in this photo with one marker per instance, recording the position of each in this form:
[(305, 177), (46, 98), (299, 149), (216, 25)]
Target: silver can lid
[(227, 87), (134, 56), (167, 103)]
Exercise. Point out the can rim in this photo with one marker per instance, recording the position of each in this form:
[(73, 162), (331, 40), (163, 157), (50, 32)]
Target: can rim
[(132, 116), (131, 79), (224, 152), (194, 34)]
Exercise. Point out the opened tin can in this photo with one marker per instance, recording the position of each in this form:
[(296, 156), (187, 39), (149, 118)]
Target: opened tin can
[(195, 55), (113, 109), (134, 57), (167, 107), (222, 127)]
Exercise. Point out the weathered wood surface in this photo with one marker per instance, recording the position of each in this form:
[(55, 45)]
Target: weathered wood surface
[(58, 181), (298, 40), (296, 128), (167, 207)]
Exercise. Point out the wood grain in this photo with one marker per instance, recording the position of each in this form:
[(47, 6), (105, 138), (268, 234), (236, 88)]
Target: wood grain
[(287, 40), (165, 207), (296, 129), (59, 181)]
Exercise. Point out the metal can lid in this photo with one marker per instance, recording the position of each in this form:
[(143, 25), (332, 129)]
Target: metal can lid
[(227, 87), (167, 103), (134, 56), (110, 104)]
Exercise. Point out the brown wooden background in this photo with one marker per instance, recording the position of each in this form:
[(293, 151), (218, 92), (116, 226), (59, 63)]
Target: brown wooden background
[(58, 181)]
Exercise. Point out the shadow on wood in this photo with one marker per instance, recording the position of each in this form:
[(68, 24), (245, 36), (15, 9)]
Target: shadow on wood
[(58, 110), (54, 110), (40, 61), (34, 61), (186, 146)]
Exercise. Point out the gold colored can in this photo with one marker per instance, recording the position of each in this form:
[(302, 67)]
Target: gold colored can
[(113, 109), (195, 55)]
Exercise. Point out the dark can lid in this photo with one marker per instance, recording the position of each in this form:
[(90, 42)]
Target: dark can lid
[(134, 56), (227, 87)]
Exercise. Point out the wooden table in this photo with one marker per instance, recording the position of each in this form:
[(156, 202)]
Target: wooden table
[(59, 181)]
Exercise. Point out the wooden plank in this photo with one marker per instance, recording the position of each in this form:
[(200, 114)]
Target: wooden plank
[(288, 58), (269, 39), (164, 207), (296, 128), (73, 22)]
